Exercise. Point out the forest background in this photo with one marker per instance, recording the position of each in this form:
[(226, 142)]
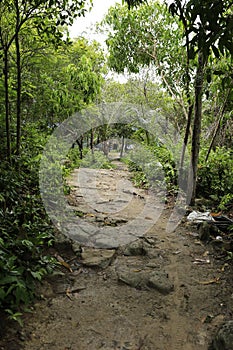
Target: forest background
[(177, 58)]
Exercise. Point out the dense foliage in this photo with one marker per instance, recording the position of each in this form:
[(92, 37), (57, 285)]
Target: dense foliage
[(182, 44), (179, 80), (45, 79)]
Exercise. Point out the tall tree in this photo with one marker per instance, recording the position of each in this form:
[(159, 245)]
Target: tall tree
[(207, 26), (59, 82), (48, 17), (148, 36)]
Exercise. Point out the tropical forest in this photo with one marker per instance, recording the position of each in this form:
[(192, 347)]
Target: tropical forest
[(116, 175)]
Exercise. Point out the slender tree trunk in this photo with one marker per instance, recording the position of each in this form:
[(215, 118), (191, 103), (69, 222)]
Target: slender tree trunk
[(80, 147), (122, 146), (192, 183), (185, 142), (187, 90), (147, 137), (7, 116), (92, 141), (19, 83), (216, 131)]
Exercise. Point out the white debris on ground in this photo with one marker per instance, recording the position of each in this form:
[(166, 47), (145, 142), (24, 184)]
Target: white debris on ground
[(197, 216)]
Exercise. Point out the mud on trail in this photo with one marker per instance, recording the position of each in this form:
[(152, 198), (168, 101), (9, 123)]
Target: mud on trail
[(159, 291)]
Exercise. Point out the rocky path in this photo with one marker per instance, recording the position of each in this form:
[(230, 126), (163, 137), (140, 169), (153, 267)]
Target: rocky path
[(135, 287)]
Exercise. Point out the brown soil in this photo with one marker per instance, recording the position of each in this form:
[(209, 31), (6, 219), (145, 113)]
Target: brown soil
[(90, 309)]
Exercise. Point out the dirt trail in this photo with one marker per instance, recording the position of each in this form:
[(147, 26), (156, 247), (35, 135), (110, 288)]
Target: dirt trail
[(124, 301)]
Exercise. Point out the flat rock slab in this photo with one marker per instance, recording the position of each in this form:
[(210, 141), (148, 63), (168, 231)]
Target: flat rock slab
[(145, 279), (108, 212), (97, 257)]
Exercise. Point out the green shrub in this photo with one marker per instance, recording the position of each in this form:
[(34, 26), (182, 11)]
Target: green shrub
[(226, 202), (97, 160), (153, 166), (25, 230), (215, 177)]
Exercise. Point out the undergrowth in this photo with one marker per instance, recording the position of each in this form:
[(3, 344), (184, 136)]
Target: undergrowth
[(95, 160), (25, 232), (215, 177), (153, 167)]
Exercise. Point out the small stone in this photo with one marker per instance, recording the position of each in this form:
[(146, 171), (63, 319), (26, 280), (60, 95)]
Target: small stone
[(159, 280), (204, 231), (131, 278), (150, 251), (134, 249), (22, 336), (77, 249), (218, 320), (97, 257), (62, 240)]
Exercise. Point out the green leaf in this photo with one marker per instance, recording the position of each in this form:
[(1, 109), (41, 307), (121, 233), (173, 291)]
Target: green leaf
[(8, 279), (2, 294), (27, 243)]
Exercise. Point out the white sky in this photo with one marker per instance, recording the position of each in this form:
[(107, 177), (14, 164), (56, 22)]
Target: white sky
[(85, 26), (82, 25)]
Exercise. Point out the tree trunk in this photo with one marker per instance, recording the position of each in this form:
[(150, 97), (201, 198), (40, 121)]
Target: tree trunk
[(218, 126), (192, 181), (80, 147), (92, 141), (19, 83), (147, 137), (187, 91), (106, 147), (7, 117), (185, 142), (122, 146)]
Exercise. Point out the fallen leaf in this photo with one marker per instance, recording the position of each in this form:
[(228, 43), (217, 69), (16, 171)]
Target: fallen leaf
[(77, 272), (193, 234), (107, 223), (76, 289), (224, 266), (68, 293), (216, 214), (206, 253), (63, 262)]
